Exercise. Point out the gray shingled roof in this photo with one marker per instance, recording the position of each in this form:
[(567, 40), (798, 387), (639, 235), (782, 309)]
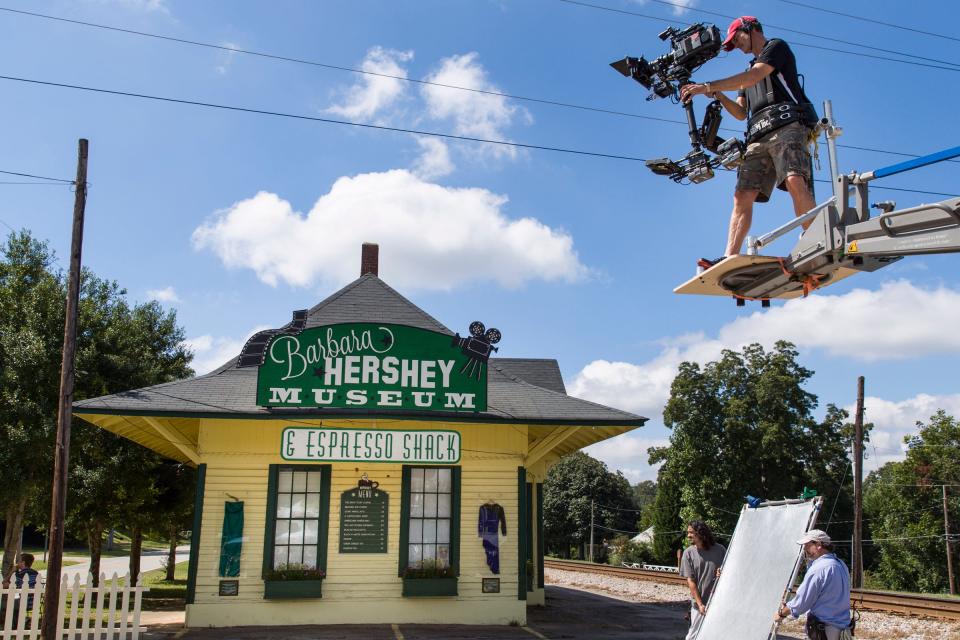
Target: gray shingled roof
[(518, 389)]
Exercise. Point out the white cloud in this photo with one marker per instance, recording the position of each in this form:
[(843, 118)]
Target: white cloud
[(374, 93), (147, 6), (209, 352), (897, 321), (895, 419), (226, 57), (434, 161), (431, 237), (628, 453), (679, 7), (479, 115), (167, 294)]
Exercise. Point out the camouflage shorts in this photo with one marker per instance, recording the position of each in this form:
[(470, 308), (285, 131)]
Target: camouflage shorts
[(768, 161)]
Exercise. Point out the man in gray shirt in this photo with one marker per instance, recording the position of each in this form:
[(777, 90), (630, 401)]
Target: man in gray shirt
[(700, 565)]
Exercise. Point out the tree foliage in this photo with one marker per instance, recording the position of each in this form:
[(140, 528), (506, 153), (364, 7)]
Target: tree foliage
[(903, 506), (570, 487), (742, 425)]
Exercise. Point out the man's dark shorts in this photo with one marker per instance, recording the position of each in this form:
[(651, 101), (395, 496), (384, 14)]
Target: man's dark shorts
[(769, 160)]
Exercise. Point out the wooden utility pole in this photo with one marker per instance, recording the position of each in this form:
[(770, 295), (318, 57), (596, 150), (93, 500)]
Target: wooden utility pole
[(946, 535), (61, 460), (857, 560), (591, 530)]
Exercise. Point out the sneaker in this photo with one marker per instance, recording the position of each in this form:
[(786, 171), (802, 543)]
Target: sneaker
[(704, 263)]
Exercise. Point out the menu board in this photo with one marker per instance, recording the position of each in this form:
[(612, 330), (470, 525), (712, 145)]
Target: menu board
[(363, 520)]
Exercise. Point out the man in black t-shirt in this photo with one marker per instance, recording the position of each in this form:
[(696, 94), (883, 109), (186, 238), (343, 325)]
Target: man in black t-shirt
[(776, 156)]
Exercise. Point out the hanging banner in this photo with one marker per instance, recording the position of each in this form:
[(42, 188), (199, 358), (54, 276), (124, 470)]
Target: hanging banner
[(369, 445), (376, 366)]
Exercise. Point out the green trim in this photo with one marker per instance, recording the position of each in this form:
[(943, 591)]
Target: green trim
[(347, 413), (429, 587), (529, 550), (269, 529), (231, 540), (455, 517), (195, 533), (404, 520), (290, 589), (317, 428), (540, 535), (523, 529)]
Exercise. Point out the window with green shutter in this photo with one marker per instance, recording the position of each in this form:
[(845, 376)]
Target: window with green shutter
[(298, 513), (430, 517)]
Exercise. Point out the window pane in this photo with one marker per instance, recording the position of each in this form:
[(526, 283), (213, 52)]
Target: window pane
[(430, 480), (416, 480), (298, 505), (284, 481), (279, 556), (416, 530), (310, 530), (310, 557), (283, 532), (416, 505), (429, 531), (313, 481), (283, 505), (296, 532), (430, 505), (299, 481), (414, 555), (296, 555), (429, 552), (443, 531), (313, 505), (443, 555), (443, 505), (443, 480)]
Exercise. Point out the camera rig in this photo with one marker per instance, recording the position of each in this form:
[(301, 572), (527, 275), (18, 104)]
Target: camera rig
[(663, 77)]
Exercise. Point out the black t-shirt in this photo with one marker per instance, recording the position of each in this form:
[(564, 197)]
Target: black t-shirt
[(780, 86)]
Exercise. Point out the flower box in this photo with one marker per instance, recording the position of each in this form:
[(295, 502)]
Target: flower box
[(429, 587), (285, 589)]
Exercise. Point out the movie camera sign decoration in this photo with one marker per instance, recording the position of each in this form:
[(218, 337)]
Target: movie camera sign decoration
[(377, 366)]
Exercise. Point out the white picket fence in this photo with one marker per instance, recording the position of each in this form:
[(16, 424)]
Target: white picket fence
[(110, 611)]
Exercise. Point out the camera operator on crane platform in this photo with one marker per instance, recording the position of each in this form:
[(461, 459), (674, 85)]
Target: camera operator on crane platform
[(779, 130)]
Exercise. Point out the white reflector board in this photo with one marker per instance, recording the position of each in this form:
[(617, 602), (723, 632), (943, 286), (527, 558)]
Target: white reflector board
[(759, 564)]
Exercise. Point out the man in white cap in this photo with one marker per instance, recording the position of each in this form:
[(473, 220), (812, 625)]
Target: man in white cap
[(824, 594), (779, 127)]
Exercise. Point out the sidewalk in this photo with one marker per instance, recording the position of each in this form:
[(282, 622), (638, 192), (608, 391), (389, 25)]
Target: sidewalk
[(149, 560)]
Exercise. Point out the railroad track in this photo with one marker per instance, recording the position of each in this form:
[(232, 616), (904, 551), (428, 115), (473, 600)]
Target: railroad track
[(865, 600)]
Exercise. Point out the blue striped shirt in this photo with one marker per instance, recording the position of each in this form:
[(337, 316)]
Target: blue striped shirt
[(824, 592)]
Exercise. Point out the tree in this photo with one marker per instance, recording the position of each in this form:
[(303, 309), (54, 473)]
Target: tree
[(570, 487), (31, 334), (741, 426), (903, 502), (644, 493)]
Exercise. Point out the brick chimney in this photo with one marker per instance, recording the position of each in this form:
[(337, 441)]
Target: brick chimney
[(369, 258)]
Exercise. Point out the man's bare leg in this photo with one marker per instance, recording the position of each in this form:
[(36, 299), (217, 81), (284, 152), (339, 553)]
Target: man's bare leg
[(802, 198), (740, 219)]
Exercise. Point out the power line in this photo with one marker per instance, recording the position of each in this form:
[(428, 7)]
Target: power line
[(294, 116), (546, 101), (30, 175), (871, 20), (954, 65), (929, 193), (44, 184)]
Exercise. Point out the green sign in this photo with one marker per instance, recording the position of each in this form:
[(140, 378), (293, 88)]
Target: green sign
[(363, 520), (372, 366)]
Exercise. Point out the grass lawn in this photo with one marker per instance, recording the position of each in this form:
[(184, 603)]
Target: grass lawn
[(164, 595), (40, 565)]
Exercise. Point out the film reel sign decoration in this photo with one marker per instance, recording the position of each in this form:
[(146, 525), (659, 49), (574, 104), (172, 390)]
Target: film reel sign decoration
[(477, 347)]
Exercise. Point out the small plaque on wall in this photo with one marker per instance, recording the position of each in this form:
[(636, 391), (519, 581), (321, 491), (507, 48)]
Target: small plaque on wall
[(491, 585), (229, 587)]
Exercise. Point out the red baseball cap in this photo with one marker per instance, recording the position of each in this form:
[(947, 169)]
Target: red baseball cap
[(737, 25)]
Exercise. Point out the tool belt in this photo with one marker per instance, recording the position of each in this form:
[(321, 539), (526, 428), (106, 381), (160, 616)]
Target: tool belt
[(775, 116)]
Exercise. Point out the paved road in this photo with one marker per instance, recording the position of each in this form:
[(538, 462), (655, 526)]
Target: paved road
[(149, 560)]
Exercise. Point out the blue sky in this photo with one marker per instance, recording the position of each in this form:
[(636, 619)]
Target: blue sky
[(235, 219)]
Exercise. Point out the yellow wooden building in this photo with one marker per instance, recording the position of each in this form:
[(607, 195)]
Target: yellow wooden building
[(365, 463)]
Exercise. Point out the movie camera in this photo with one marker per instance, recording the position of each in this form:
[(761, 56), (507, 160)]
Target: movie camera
[(690, 48)]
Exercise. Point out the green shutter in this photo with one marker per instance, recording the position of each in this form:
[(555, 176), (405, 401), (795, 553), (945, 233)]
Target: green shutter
[(455, 518), (523, 530), (404, 519), (324, 524), (231, 539), (195, 533), (270, 523), (529, 551), (540, 535)]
